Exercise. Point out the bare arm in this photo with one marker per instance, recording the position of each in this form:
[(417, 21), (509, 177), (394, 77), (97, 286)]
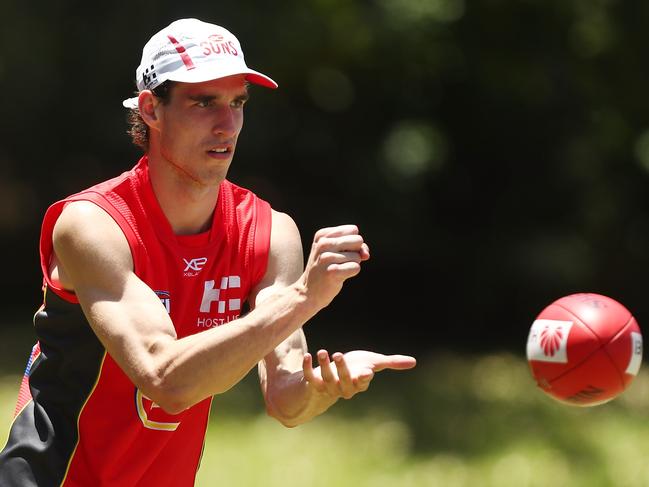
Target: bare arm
[(280, 373), (294, 391), (94, 261)]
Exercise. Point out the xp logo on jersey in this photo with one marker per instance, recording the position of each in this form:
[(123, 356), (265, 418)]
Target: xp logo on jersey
[(194, 266), (213, 295)]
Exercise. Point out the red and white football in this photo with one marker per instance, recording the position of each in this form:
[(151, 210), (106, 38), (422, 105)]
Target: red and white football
[(584, 349)]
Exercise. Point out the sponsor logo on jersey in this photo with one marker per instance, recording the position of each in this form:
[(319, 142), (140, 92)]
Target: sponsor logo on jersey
[(212, 295), (548, 340), (193, 267), (223, 299), (165, 298)]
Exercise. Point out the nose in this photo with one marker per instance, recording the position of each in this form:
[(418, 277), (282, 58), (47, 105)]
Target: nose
[(227, 122)]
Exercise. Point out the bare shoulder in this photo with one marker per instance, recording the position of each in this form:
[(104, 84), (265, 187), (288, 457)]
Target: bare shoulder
[(78, 214), (87, 240), (284, 233), (285, 257)]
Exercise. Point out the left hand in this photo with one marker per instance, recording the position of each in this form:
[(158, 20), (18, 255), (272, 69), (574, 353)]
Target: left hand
[(344, 375)]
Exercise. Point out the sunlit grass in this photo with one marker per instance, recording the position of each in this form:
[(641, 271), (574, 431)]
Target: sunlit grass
[(453, 421), (9, 385)]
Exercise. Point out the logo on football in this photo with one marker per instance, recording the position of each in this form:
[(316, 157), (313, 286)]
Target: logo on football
[(550, 339)]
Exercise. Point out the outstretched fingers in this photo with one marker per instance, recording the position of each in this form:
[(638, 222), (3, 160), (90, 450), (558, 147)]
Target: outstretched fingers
[(334, 376), (344, 375), (346, 384), (309, 374), (328, 376)]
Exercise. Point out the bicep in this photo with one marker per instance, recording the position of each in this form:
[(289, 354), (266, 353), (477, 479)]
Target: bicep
[(285, 258), (123, 311)]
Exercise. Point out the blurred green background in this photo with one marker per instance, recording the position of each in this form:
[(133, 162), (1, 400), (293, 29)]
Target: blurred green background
[(494, 153)]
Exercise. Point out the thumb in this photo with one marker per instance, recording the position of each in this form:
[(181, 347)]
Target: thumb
[(395, 362)]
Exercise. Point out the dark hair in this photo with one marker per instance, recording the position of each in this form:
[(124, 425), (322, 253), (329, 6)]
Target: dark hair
[(137, 128)]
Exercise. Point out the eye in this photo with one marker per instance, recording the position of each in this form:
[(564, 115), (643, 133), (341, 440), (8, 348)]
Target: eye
[(239, 102), (204, 103)]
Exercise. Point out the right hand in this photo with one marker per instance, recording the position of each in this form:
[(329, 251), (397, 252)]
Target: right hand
[(336, 255)]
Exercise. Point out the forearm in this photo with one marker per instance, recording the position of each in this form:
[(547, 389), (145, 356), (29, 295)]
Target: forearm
[(293, 401), (224, 355)]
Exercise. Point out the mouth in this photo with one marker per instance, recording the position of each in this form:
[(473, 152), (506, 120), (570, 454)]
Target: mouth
[(220, 151)]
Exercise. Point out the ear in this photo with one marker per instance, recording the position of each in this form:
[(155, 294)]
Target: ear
[(148, 103)]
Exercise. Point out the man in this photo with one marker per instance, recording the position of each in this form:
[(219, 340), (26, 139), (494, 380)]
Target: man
[(145, 278)]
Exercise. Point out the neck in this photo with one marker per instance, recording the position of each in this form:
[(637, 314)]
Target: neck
[(188, 205)]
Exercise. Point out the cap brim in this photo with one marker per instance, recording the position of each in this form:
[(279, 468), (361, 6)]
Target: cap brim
[(131, 102), (206, 74), (261, 80)]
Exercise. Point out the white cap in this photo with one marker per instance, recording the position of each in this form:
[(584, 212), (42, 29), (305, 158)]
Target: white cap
[(192, 51)]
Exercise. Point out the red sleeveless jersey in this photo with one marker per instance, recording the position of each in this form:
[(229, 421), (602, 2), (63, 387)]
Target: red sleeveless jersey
[(80, 421)]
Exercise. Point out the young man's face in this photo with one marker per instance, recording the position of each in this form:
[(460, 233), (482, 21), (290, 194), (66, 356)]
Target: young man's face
[(199, 127)]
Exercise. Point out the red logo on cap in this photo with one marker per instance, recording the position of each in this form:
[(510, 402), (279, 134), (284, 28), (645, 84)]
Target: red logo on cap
[(187, 61), (551, 339), (216, 45)]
